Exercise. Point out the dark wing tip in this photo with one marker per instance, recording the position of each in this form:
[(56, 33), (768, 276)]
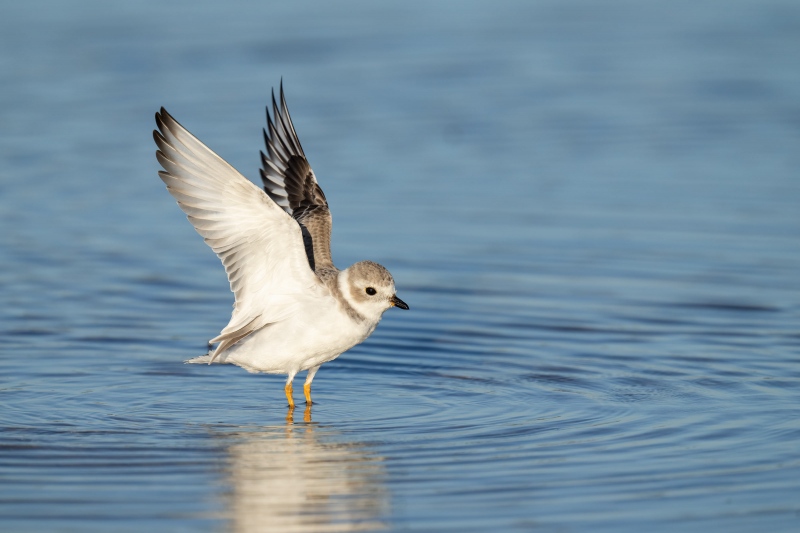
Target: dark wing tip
[(161, 114), (161, 119)]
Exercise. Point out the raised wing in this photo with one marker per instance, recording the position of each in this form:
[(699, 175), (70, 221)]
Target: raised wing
[(290, 182), (260, 246)]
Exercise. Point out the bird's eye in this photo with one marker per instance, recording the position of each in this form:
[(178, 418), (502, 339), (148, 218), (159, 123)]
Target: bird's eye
[(371, 291)]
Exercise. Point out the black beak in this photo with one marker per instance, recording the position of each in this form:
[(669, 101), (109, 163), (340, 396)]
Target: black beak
[(397, 302)]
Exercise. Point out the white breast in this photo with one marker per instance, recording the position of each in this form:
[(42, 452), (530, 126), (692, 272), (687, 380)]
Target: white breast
[(302, 341)]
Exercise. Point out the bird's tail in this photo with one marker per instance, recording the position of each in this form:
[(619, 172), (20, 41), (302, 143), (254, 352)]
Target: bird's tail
[(203, 359), (210, 357)]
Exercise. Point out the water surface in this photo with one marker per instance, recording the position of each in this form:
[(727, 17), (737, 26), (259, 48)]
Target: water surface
[(592, 211)]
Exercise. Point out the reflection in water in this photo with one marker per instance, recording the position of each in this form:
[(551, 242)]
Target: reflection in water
[(302, 478)]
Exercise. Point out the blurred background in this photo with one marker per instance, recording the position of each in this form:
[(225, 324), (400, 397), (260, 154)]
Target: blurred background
[(591, 208)]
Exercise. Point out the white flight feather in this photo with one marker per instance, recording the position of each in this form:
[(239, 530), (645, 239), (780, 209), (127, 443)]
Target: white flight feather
[(259, 244)]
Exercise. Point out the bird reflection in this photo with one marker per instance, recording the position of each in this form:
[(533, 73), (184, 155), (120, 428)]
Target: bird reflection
[(306, 414), (301, 477)]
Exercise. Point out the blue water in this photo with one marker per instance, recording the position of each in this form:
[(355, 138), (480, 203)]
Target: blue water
[(591, 208)]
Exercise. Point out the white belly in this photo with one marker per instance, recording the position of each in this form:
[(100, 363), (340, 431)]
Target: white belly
[(297, 343)]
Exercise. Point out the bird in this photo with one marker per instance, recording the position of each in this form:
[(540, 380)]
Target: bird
[(293, 308)]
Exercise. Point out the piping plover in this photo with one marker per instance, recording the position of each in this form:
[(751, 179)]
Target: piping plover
[(293, 309)]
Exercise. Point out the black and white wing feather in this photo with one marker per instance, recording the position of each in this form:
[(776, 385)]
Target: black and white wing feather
[(260, 246), (290, 182)]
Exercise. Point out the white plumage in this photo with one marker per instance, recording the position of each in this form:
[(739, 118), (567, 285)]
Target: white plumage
[(293, 309)]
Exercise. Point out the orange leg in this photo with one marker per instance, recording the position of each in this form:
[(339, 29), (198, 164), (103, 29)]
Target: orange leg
[(307, 384), (288, 390)]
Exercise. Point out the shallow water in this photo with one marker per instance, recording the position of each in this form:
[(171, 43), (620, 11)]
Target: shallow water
[(591, 210)]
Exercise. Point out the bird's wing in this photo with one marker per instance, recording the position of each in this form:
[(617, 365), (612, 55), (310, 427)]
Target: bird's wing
[(290, 182), (260, 246)]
